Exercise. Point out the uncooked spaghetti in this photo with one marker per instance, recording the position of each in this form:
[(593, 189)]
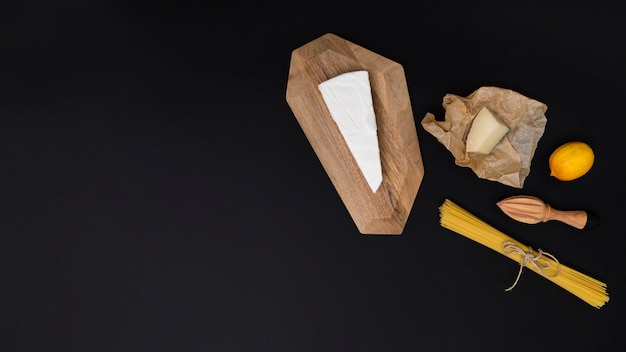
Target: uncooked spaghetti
[(459, 220)]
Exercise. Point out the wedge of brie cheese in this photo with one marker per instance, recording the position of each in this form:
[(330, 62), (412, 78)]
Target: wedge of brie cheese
[(348, 97), (486, 132)]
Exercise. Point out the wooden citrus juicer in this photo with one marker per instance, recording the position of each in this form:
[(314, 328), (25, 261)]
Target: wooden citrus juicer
[(532, 210)]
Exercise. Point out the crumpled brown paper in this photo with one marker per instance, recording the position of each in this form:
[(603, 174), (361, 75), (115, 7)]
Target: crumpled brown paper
[(509, 162)]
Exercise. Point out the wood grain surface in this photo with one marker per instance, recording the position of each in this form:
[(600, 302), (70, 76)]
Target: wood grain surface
[(386, 211)]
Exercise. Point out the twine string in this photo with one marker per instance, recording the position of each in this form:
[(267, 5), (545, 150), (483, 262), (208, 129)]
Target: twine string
[(530, 258)]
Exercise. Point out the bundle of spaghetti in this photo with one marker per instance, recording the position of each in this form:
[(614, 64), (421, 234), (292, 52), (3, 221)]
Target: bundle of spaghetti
[(459, 220)]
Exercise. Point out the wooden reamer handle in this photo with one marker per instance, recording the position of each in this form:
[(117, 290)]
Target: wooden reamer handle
[(575, 218)]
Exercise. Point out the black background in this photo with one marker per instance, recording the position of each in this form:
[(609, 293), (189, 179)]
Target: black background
[(158, 194)]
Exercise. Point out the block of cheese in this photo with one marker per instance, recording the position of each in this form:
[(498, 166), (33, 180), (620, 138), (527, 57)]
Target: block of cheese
[(348, 97), (486, 132)]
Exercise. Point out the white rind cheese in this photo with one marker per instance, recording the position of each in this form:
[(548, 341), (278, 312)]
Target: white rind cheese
[(348, 97), (486, 132)]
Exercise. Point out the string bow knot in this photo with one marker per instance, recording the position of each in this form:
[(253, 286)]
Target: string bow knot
[(530, 258)]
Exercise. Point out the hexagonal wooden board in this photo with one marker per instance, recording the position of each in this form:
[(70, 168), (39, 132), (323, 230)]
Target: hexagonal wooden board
[(386, 211)]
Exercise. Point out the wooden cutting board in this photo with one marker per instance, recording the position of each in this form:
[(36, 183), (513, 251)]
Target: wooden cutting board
[(386, 211)]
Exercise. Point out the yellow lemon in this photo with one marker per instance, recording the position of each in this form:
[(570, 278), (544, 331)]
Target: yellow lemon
[(571, 160)]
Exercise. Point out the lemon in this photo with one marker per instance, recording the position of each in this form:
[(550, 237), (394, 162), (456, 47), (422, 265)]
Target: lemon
[(571, 160)]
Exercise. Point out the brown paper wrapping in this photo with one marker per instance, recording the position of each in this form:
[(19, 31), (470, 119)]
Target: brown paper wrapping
[(509, 162)]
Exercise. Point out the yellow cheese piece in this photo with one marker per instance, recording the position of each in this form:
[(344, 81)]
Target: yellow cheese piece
[(486, 132)]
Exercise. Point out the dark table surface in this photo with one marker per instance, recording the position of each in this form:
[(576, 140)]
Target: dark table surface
[(158, 194)]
